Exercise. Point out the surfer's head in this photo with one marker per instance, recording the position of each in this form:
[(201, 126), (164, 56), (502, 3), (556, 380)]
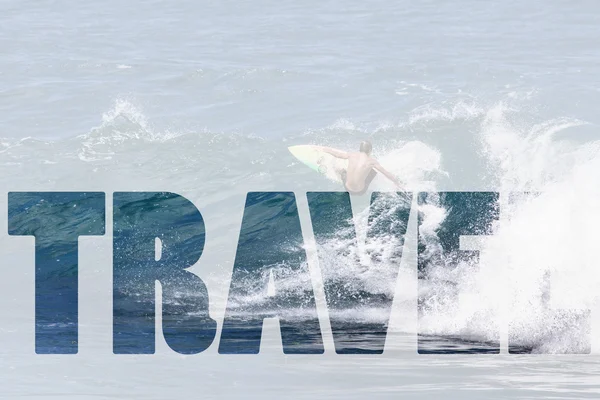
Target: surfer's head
[(366, 147)]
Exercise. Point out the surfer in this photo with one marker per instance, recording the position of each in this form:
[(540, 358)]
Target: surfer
[(362, 168)]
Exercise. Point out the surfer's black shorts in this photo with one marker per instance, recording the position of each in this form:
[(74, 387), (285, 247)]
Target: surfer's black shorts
[(368, 181)]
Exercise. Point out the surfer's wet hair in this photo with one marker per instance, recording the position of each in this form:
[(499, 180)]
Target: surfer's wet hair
[(366, 147)]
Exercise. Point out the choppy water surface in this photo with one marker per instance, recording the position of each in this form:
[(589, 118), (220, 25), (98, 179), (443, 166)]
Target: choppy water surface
[(203, 99)]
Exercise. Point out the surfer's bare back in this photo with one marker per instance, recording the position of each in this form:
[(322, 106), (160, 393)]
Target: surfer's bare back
[(362, 168)]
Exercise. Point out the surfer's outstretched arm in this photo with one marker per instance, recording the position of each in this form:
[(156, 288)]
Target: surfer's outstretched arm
[(388, 175), (335, 152)]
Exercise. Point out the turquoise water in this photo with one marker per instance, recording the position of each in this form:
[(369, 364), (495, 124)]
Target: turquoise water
[(203, 99)]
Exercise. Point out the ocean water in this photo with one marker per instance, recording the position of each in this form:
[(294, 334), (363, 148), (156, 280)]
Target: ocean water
[(203, 98)]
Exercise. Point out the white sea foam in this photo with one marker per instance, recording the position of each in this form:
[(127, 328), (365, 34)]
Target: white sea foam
[(542, 256)]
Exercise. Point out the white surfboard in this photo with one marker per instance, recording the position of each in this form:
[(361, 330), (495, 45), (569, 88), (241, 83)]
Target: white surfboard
[(318, 160)]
